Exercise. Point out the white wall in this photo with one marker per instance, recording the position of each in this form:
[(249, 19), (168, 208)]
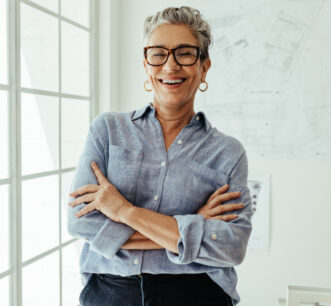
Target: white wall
[(300, 202)]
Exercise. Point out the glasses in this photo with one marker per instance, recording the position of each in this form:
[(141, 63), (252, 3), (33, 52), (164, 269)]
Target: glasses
[(183, 55)]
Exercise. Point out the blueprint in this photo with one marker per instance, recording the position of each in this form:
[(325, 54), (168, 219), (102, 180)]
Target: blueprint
[(270, 80)]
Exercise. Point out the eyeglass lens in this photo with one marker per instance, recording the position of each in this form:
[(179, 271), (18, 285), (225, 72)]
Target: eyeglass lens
[(184, 56)]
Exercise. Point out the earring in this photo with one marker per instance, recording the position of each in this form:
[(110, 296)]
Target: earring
[(206, 87), (147, 89)]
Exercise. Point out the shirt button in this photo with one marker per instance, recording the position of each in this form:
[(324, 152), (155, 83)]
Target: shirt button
[(180, 141), (156, 197), (136, 261), (197, 118), (214, 236), (163, 164)]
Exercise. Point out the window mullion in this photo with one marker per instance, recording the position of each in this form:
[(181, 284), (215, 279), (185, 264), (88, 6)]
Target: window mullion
[(60, 153), (15, 211)]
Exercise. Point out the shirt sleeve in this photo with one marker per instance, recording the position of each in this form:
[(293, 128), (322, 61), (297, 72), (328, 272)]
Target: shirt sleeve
[(215, 242), (104, 235)]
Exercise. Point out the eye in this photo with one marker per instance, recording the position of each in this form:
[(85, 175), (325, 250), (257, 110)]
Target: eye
[(185, 54), (159, 55)]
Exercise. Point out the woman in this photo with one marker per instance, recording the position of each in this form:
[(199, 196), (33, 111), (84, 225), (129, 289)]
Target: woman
[(151, 208)]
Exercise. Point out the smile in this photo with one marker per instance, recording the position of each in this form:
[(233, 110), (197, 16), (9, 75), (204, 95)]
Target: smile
[(172, 83)]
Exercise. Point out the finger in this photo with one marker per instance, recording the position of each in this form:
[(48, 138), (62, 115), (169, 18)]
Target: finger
[(227, 196), (223, 198), (83, 199), (88, 208), (84, 189), (220, 190), (226, 218), (225, 208), (98, 173)]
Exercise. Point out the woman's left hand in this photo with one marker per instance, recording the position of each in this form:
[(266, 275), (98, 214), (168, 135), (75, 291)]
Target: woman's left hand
[(103, 197)]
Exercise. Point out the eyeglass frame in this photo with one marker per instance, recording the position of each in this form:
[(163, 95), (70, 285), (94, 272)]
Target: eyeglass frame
[(172, 51)]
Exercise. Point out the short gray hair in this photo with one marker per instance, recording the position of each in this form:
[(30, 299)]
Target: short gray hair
[(182, 15)]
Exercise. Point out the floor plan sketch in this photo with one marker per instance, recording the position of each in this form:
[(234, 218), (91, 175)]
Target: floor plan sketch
[(269, 84)]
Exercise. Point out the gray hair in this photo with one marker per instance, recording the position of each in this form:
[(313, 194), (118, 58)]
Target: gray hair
[(182, 15)]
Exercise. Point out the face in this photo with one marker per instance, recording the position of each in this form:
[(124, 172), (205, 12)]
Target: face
[(177, 95)]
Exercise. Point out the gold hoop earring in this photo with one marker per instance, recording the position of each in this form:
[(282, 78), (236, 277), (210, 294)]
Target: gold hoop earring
[(147, 89), (203, 90)]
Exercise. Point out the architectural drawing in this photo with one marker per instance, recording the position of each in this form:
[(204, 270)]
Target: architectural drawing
[(259, 186), (269, 85)]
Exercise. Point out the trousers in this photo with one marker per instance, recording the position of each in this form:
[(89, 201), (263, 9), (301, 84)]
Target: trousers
[(153, 290)]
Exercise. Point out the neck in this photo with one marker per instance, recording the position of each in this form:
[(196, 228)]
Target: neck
[(173, 119)]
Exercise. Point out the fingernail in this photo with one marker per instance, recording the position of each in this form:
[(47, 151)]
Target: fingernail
[(93, 164), (76, 215)]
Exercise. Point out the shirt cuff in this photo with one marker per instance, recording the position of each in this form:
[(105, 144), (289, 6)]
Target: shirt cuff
[(111, 238), (191, 229)]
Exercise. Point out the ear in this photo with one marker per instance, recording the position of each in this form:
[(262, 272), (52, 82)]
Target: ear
[(205, 67)]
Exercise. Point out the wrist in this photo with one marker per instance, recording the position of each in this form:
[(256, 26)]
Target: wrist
[(127, 213)]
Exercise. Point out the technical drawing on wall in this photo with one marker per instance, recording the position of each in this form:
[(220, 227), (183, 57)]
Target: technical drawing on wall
[(269, 84), (259, 187)]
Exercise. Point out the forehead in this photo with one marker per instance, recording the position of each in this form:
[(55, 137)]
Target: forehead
[(172, 35)]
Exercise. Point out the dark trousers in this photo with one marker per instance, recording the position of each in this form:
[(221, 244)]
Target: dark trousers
[(153, 290)]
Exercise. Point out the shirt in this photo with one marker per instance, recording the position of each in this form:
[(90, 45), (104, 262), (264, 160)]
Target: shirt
[(129, 149)]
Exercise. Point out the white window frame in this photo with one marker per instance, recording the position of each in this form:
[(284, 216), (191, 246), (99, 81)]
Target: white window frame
[(15, 179)]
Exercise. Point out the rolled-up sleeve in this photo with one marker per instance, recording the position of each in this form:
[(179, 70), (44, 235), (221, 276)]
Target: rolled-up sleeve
[(104, 235), (215, 242)]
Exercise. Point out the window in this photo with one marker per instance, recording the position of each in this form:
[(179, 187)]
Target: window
[(46, 105)]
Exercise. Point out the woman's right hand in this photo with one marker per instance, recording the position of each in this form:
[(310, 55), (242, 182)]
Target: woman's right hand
[(214, 208)]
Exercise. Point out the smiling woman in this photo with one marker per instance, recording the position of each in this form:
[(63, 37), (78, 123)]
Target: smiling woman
[(165, 211)]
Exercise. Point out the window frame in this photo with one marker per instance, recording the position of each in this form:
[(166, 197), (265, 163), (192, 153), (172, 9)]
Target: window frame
[(15, 179)]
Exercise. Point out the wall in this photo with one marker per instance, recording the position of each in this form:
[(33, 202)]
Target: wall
[(300, 239)]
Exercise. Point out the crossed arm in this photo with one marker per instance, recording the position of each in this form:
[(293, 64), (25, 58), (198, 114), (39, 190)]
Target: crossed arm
[(211, 210), (153, 230)]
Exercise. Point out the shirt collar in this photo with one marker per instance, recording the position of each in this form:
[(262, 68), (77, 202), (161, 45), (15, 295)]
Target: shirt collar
[(198, 118), (141, 112)]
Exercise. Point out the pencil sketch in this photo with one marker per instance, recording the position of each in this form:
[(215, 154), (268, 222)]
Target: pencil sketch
[(269, 85)]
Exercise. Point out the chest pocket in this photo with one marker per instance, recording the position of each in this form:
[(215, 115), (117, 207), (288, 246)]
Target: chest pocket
[(200, 183), (123, 170)]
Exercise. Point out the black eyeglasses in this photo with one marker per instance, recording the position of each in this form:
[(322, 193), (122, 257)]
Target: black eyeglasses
[(184, 55)]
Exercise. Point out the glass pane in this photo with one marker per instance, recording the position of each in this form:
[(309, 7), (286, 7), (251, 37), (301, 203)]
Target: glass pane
[(3, 134), (76, 10), (4, 241), (71, 282), (40, 133), (75, 123), (75, 60), (4, 291), (67, 178), (40, 215), (39, 50), (41, 282), (3, 42), (52, 5)]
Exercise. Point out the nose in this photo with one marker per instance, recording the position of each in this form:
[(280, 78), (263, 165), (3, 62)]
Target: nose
[(171, 64)]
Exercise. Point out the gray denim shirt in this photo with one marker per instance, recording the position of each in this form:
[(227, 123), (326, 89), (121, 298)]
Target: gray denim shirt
[(129, 148)]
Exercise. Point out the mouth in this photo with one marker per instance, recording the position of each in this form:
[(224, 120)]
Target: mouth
[(172, 82)]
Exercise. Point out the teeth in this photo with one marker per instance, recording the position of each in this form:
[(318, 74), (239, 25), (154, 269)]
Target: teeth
[(173, 81)]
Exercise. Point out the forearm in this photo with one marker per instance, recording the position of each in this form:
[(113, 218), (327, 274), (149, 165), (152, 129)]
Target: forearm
[(161, 229), (143, 244)]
